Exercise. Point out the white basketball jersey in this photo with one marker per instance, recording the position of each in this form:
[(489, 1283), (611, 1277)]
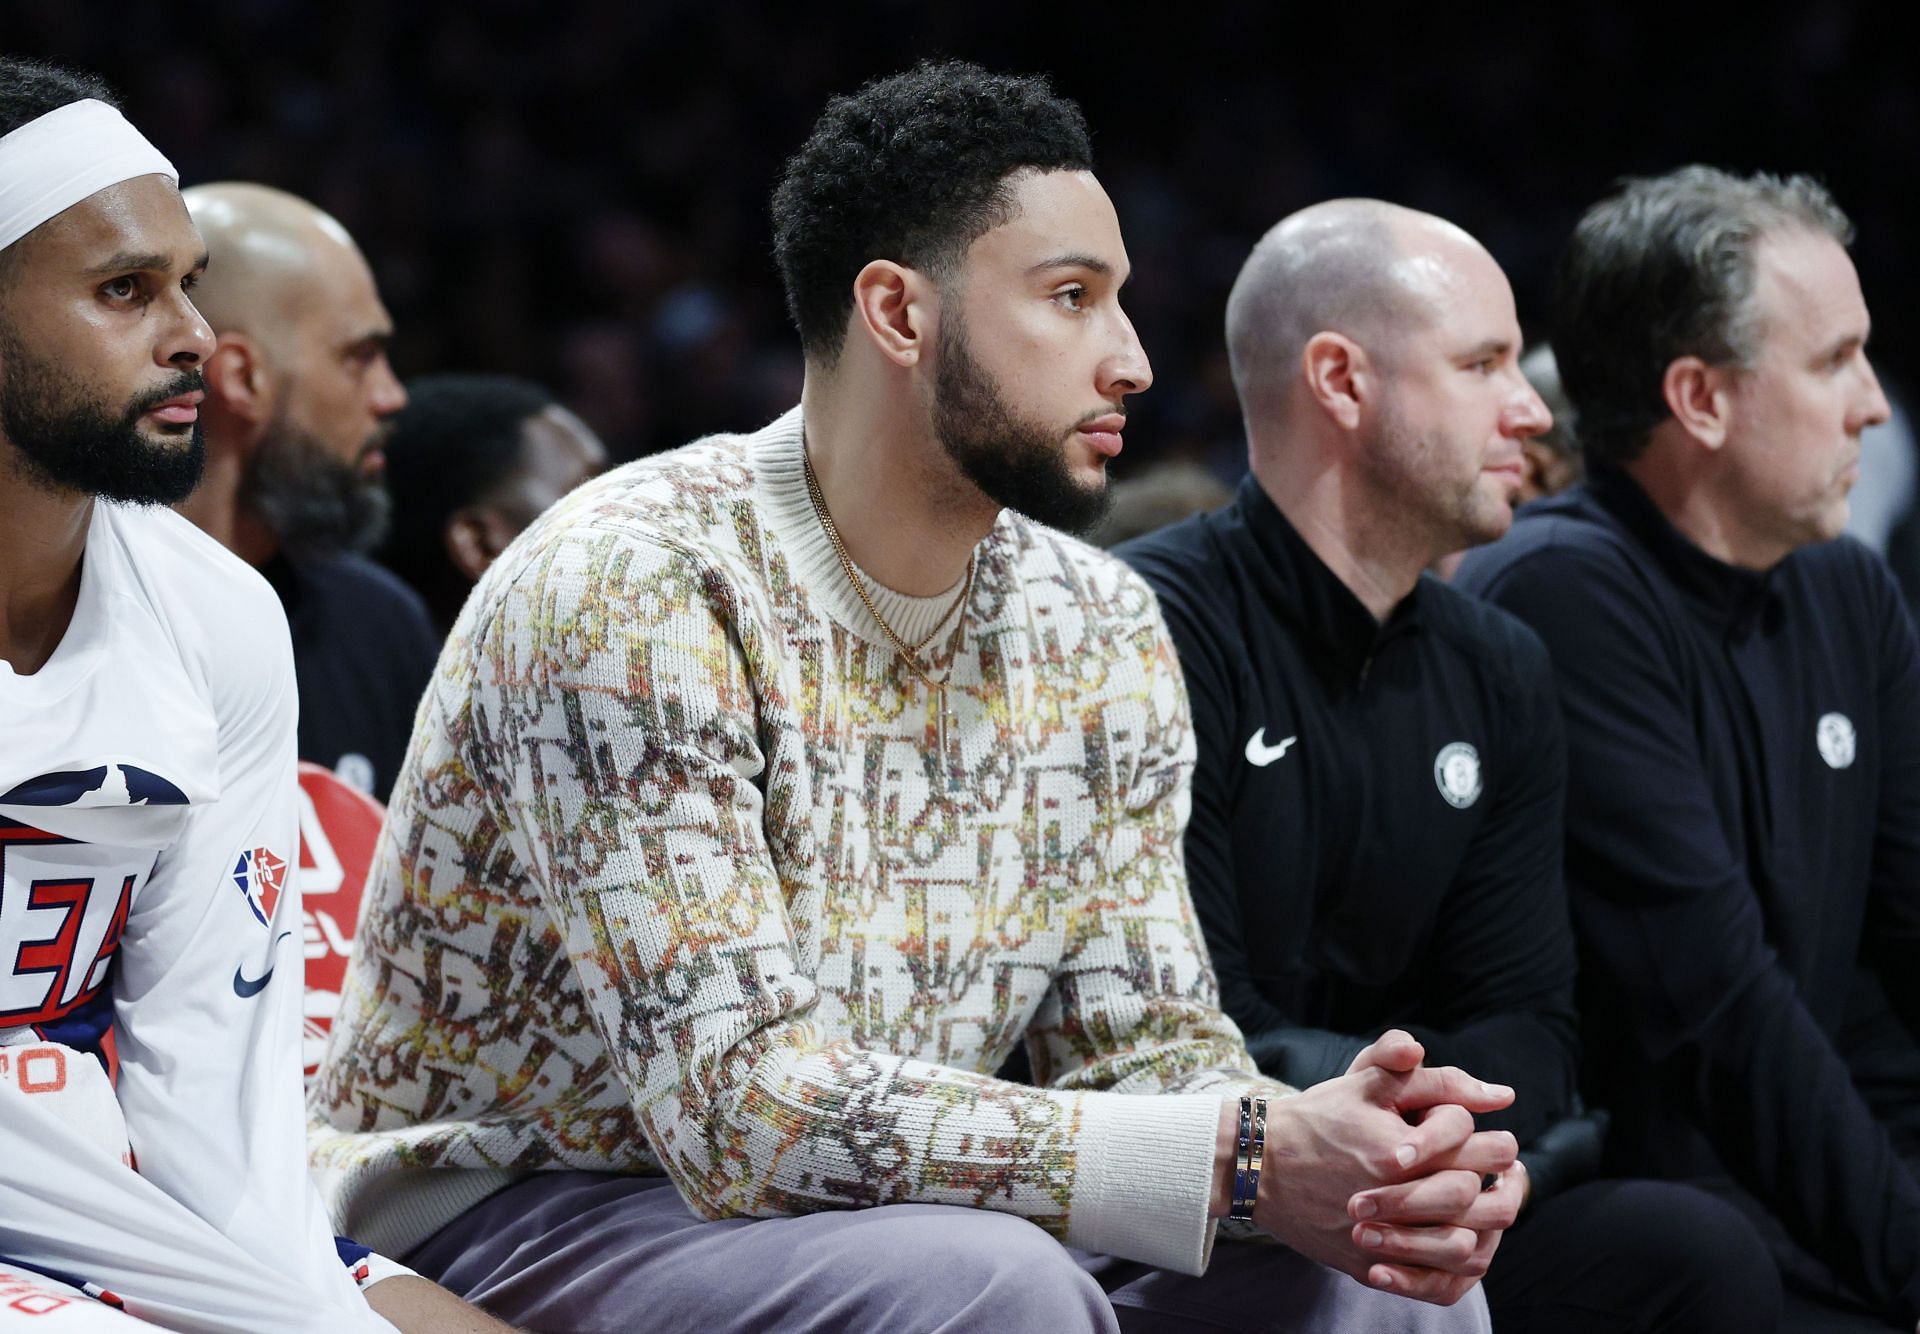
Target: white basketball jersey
[(148, 837)]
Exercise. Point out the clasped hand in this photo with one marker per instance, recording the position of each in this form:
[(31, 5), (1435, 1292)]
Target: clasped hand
[(1379, 1173)]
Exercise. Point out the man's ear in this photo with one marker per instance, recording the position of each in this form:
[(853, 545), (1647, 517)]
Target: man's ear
[(237, 380), (1699, 397), (1339, 377), (474, 536), (893, 308)]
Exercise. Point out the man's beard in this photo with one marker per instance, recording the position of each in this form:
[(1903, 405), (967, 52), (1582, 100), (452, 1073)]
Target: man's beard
[(1417, 471), (313, 503), (68, 442), (1015, 463)]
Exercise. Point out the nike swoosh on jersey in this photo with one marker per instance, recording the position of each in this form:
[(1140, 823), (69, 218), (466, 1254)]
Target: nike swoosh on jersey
[(245, 989), (1261, 754)]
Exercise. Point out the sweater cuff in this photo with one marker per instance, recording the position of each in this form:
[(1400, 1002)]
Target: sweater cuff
[(1143, 1178), (397, 1211)]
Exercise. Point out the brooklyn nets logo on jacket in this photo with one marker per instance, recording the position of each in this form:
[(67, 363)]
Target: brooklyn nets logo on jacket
[(1456, 772)]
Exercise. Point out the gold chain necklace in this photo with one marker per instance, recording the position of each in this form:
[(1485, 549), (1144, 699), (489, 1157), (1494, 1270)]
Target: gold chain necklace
[(909, 653)]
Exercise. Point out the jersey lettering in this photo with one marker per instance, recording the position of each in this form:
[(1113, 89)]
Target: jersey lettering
[(35, 1069), (41, 1069), (63, 909), (22, 1296)]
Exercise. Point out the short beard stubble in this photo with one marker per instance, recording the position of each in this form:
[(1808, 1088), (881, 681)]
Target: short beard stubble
[(1415, 473), (1019, 464)]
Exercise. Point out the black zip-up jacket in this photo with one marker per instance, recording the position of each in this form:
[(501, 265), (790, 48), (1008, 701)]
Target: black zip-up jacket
[(1375, 839), (1743, 832)]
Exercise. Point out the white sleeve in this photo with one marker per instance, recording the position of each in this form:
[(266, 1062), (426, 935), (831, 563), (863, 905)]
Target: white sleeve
[(221, 1229)]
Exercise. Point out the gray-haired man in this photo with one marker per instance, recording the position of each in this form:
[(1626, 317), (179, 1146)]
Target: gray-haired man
[(1741, 688)]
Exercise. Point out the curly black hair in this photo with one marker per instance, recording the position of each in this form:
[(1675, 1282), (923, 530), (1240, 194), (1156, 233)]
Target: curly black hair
[(29, 89), (912, 168)]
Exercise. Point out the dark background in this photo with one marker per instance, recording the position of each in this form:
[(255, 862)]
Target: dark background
[(577, 191)]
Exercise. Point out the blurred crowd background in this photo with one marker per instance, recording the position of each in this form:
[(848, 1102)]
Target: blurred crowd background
[(576, 190)]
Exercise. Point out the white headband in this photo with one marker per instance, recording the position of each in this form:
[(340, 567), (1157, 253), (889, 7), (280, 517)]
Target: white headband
[(50, 164)]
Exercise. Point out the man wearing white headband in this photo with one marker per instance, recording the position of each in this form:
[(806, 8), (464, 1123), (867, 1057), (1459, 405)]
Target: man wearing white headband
[(148, 829)]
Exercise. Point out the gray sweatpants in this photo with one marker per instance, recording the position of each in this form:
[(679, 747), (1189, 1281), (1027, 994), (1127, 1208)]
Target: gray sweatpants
[(577, 1252)]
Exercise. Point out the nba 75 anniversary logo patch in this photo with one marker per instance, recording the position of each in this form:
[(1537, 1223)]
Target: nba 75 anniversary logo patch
[(259, 875)]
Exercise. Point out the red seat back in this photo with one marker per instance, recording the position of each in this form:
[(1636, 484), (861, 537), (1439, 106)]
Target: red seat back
[(339, 829)]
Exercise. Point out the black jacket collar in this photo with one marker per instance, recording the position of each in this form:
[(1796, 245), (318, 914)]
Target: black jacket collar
[(1297, 585), (1727, 595)]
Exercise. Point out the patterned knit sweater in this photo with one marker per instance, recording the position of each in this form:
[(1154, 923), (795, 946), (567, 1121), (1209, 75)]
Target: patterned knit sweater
[(674, 880)]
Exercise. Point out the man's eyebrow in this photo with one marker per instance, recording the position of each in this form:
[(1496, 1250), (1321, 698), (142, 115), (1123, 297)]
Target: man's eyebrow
[(1092, 263), (371, 341), (128, 261), (1491, 347)]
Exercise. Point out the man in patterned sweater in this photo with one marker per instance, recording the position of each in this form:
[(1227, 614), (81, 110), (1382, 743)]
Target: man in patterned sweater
[(770, 791)]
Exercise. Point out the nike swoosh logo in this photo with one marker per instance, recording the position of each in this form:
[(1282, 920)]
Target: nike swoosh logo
[(1261, 754), (246, 990)]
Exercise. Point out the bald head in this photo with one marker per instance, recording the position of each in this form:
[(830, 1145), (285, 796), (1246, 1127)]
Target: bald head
[(299, 388), (1369, 270), (271, 255), (1376, 354)]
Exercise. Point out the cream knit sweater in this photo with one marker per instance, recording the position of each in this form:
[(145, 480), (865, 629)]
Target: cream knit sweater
[(674, 881)]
